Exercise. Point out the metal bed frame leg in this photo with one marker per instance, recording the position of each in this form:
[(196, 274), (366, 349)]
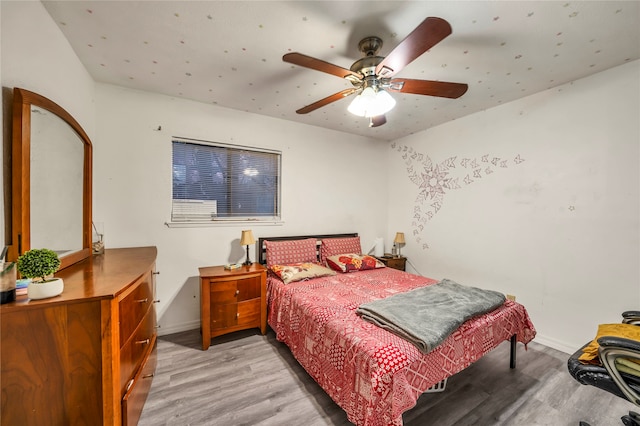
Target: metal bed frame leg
[(512, 361)]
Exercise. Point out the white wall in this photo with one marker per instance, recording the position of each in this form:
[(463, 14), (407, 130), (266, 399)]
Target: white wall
[(555, 221), (331, 183), (36, 56)]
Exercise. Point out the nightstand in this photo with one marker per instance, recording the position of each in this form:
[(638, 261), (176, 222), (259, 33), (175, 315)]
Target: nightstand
[(232, 300), (393, 262)]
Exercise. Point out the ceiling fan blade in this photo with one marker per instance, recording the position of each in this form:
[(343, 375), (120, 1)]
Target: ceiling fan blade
[(441, 89), (322, 102), (378, 120), (429, 33), (318, 65)]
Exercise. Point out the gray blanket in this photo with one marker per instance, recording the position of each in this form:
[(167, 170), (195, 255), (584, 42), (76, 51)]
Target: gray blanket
[(427, 315)]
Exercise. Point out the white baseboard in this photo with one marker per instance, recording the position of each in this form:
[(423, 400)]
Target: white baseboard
[(555, 344), (177, 328)]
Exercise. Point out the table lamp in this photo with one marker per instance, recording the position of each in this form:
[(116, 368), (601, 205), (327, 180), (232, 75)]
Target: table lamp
[(399, 239), (247, 240)]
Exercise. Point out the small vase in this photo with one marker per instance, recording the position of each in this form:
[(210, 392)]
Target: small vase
[(43, 290)]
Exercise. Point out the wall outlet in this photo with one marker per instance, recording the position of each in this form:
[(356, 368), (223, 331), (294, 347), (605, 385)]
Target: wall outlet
[(511, 297)]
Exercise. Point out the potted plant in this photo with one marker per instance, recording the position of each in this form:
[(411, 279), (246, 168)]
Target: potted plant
[(39, 265)]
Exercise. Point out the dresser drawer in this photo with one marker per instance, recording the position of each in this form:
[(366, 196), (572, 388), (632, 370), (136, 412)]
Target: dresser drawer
[(135, 397), (134, 349), (134, 306)]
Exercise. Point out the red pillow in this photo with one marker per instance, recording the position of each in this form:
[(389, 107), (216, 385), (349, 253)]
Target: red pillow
[(334, 246), (291, 251), (353, 262)]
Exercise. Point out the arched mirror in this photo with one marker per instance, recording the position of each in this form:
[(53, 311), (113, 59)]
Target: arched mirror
[(51, 180)]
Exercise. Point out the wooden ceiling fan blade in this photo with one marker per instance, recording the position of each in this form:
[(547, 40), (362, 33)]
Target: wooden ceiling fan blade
[(318, 65), (326, 101), (429, 33), (378, 120), (442, 89)]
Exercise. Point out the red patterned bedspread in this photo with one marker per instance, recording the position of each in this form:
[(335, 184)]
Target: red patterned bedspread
[(371, 373)]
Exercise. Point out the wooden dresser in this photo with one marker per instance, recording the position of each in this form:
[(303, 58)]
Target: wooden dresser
[(88, 355), (232, 300)]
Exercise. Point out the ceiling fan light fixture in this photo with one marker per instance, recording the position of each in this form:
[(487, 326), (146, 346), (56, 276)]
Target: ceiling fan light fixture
[(371, 103)]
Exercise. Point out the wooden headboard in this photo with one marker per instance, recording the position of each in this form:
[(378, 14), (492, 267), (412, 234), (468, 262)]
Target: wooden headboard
[(263, 252)]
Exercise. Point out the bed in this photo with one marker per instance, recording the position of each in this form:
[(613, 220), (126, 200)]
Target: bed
[(372, 374)]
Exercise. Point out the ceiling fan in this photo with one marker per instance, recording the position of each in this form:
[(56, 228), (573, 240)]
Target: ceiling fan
[(372, 75)]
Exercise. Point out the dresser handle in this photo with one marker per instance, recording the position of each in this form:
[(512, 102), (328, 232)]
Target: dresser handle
[(145, 300), (148, 376), (158, 326), (237, 292), (156, 301), (155, 273), (142, 342), (238, 315)]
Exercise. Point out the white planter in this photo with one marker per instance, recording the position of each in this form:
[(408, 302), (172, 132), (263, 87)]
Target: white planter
[(43, 290)]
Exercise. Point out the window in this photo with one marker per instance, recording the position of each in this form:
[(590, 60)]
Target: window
[(214, 181)]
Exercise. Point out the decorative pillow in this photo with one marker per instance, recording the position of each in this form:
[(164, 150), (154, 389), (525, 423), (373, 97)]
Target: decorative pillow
[(353, 262), (300, 271), (628, 331), (335, 246), (291, 251)]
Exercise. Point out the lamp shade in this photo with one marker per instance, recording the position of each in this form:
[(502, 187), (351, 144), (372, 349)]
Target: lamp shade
[(247, 238), (371, 103), (399, 239)]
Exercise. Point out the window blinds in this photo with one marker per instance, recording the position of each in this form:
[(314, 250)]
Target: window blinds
[(222, 182)]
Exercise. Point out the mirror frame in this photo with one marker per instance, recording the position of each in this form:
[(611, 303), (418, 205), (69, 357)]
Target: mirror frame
[(23, 100)]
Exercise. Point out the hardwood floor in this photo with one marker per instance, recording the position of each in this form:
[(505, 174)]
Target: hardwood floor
[(249, 379)]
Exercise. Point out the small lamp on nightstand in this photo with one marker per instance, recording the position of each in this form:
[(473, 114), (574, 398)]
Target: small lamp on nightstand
[(247, 240), (398, 240)]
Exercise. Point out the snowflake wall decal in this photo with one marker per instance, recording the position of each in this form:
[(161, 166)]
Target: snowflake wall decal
[(434, 180)]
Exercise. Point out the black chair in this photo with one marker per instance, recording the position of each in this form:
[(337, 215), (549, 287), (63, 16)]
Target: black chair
[(608, 376)]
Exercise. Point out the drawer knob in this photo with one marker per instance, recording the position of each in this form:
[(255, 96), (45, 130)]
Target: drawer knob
[(145, 300), (156, 301), (237, 292), (142, 342), (238, 315), (156, 273)]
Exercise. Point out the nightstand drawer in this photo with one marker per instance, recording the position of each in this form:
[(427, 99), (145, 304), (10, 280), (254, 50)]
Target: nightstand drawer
[(249, 288), (235, 314), (394, 262), (249, 312), (235, 290), (223, 316), (224, 291)]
